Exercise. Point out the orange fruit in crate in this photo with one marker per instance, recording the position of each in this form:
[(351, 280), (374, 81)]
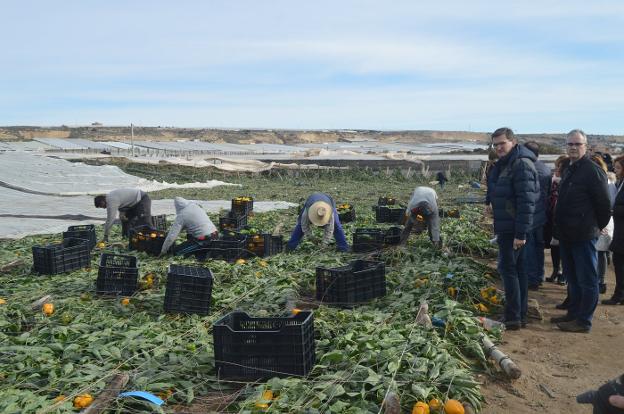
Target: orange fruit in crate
[(296, 311), (2, 301), (153, 235), (48, 309), (453, 407), (240, 261), (59, 398), (125, 301)]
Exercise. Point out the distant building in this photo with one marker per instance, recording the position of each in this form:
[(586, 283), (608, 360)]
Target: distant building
[(96, 124)]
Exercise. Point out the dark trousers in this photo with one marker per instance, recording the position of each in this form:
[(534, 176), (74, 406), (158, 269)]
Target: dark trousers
[(618, 264), (580, 266), (602, 266), (139, 214), (512, 268), (535, 256), (556, 258)]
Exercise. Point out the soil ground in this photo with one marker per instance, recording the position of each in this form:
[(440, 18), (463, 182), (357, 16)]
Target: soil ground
[(565, 364)]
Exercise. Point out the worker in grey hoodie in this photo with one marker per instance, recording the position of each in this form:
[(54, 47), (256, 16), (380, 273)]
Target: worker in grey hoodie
[(199, 228), (134, 206), (422, 210)]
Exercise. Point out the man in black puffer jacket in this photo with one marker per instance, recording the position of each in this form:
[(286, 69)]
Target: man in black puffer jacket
[(514, 197), (583, 209)]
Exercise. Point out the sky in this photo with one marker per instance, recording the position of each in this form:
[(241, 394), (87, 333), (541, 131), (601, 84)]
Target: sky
[(535, 66)]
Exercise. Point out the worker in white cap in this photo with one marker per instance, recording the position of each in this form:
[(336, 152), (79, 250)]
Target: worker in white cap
[(319, 210)]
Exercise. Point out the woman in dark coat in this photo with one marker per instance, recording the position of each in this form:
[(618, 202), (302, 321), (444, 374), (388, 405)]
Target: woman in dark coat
[(617, 244)]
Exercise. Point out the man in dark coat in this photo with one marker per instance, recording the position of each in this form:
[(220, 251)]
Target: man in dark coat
[(535, 250), (514, 196), (582, 210)]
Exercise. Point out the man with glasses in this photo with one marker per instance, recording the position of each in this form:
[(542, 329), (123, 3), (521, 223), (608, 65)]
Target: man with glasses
[(514, 194), (583, 209)]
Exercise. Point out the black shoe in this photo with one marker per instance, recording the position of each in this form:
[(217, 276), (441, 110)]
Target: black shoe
[(573, 326), (613, 301), (560, 319), (512, 326), (523, 324), (534, 287), (564, 305), (602, 288), (553, 278), (562, 282)]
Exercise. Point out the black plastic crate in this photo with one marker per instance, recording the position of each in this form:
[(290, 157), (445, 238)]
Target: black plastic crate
[(118, 274), (393, 236), (146, 239), (366, 240), (259, 244), (242, 206), (346, 212), (228, 249), (189, 289), (260, 348), (232, 222), (385, 214), (63, 257), (159, 222), (359, 281), (85, 232), (387, 201)]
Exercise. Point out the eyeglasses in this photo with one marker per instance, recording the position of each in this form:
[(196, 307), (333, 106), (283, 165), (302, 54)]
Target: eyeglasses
[(575, 144)]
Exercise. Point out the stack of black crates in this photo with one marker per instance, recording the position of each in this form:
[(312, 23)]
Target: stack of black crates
[(236, 219), (63, 257), (387, 210), (189, 290), (249, 348), (117, 275), (84, 232), (357, 282)]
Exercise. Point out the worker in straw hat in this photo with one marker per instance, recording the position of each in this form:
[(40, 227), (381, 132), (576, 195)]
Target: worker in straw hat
[(422, 212), (319, 210)]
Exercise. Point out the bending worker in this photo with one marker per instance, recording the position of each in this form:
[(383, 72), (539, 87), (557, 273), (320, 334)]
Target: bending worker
[(199, 228), (422, 210), (319, 210), (134, 206)]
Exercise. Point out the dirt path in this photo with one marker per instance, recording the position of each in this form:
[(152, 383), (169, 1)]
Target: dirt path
[(566, 364)]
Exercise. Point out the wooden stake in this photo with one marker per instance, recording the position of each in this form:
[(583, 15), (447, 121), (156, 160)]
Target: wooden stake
[(36, 305), (505, 362), (11, 265), (114, 386)]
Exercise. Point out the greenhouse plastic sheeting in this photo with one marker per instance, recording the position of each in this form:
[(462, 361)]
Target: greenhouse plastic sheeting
[(53, 176), (23, 214)]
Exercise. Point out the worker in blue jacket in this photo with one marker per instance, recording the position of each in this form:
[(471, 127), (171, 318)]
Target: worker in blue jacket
[(319, 210)]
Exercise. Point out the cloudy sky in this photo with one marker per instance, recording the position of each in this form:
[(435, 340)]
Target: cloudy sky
[(536, 66)]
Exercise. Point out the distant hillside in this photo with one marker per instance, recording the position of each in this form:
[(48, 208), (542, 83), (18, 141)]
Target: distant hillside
[(274, 136)]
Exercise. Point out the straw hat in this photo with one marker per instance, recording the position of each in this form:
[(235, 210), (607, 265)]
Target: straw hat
[(320, 213)]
